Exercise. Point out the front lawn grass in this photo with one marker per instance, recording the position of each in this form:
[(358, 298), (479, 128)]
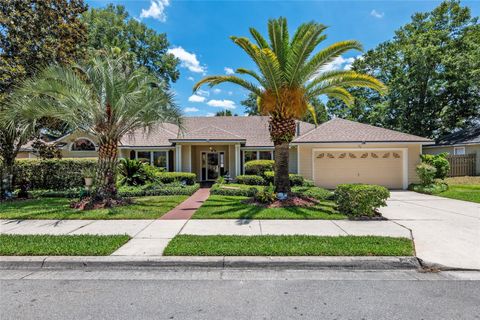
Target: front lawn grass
[(297, 245), (48, 245), (58, 208), (233, 207), (462, 192)]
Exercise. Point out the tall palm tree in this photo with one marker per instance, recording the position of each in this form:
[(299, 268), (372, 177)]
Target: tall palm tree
[(289, 75), (106, 97)]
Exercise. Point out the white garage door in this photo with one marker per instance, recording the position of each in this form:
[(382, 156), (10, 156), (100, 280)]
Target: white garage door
[(383, 167)]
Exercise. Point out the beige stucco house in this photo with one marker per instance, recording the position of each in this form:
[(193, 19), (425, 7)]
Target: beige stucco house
[(338, 151)]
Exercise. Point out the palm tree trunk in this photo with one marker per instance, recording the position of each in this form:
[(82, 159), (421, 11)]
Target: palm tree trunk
[(281, 179), (6, 185), (106, 176), (282, 132)]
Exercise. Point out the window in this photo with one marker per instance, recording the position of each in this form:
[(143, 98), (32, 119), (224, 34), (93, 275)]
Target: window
[(160, 159), (265, 155), (459, 151), (83, 144), (155, 158), (249, 156)]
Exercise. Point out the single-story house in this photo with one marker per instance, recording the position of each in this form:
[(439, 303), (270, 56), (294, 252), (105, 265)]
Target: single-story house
[(462, 142), (338, 151)]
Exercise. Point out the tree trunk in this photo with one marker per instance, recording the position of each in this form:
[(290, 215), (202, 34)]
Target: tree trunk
[(6, 185), (106, 176), (282, 181), (282, 132)]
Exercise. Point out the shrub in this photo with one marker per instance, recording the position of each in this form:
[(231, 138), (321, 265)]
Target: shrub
[(232, 191), (158, 190), (308, 183), (439, 161), (250, 180), (433, 188), (51, 174), (313, 192), (295, 179), (426, 173), (259, 167), (267, 195), (183, 177), (360, 199), (134, 172)]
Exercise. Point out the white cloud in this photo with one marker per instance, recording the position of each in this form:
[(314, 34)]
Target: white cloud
[(377, 14), (188, 60), (156, 10), (203, 93), (191, 109), (228, 70), (210, 114), (196, 98), (226, 104), (338, 63), (191, 79), (217, 91)]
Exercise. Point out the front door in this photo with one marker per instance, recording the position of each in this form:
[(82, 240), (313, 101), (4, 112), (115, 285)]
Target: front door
[(213, 165)]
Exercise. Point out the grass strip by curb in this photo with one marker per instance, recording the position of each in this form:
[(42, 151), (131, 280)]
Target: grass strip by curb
[(64, 245), (295, 245)]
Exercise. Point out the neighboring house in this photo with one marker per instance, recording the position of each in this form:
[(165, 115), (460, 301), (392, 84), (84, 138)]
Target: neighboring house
[(462, 142), (338, 151)]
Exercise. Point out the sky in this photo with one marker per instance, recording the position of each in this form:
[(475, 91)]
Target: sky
[(199, 31)]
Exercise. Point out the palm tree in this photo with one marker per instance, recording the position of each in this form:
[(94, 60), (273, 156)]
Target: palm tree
[(289, 76), (106, 97)]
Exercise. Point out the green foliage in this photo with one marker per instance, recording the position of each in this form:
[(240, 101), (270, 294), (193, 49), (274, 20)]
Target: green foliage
[(155, 189), (439, 161), (360, 199), (258, 167), (187, 178), (313, 192), (54, 174), (250, 180), (295, 179), (426, 173), (46, 151), (135, 172), (433, 188), (225, 113), (229, 190), (431, 68), (266, 195), (112, 27)]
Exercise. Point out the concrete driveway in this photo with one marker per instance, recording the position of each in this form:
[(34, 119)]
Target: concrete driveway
[(445, 231)]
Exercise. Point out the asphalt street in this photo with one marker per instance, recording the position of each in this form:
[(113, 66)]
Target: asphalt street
[(238, 294)]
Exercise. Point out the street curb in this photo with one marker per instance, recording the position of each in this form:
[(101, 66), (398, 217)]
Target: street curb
[(117, 262)]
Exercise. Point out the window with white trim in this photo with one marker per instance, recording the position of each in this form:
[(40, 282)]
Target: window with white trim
[(154, 158), (82, 144), (249, 155), (459, 151)]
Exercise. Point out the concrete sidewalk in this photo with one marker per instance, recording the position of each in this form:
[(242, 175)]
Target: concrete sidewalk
[(150, 237)]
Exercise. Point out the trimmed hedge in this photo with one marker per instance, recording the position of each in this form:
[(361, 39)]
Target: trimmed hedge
[(220, 189), (259, 167), (360, 199), (53, 174), (250, 180), (433, 188), (170, 177), (126, 191), (314, 192), (295, 179)]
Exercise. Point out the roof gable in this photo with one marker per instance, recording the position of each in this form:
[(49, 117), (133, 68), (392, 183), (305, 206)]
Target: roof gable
[(470, 135), (341, 130)]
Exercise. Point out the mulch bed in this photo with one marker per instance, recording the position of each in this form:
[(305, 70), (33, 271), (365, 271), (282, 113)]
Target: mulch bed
[(293, 201), (377, 217), (89, 203)]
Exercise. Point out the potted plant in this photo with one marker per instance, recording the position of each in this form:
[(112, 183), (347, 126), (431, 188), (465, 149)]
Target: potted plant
[(88, 175)]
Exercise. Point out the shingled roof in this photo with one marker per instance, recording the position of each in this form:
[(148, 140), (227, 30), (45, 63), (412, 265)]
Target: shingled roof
[(341, 130), (470, 135)]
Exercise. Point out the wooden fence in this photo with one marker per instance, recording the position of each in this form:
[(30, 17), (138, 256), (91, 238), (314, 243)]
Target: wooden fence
[(462, 165)]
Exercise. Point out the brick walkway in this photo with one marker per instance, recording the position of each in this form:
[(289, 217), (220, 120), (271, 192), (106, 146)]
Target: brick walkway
[(187, 208)]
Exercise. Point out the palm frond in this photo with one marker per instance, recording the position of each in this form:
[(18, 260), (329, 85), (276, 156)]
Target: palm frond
[(334, 92), (216, 80)]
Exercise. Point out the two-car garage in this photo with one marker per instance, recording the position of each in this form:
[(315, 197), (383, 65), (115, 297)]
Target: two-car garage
[(384, 167)]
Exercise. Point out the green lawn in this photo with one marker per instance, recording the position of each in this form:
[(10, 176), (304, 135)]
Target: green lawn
[(462, 192), (77, 245), (192, 245), (58, 208), (233, 207)]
